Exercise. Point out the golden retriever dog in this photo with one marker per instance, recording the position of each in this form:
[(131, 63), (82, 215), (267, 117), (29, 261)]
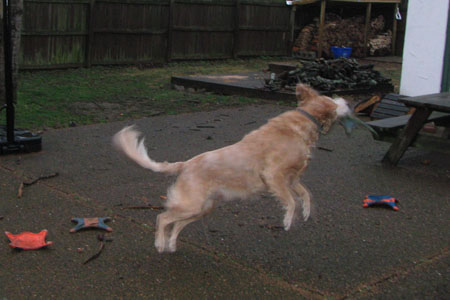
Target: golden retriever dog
[(270, 158)]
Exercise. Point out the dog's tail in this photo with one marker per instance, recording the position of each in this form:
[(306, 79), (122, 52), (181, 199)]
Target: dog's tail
[(127, 141)]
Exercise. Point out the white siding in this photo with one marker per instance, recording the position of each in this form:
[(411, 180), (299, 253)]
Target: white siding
[(423, 53)]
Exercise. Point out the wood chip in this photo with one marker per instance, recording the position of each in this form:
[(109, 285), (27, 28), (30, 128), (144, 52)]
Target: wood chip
[(20, 192), (366, 104)]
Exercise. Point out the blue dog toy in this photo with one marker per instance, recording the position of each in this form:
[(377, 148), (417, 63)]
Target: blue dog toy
[(381, 200)]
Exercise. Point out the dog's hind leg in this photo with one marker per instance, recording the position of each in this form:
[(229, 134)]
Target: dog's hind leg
[(160, 236), (171, 216), (278, 185), (179, 225), (304, 195), (186, 203)]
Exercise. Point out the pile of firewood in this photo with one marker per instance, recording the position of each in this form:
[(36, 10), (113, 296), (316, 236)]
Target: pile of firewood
[(329, 75), (345, 33)]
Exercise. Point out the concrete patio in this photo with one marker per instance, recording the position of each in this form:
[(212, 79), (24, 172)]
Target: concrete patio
[(240, 251)]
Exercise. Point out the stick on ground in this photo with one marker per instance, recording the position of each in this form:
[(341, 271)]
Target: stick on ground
[(24, 184)]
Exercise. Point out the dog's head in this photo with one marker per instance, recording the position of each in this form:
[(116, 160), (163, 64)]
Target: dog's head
[(325, 109)]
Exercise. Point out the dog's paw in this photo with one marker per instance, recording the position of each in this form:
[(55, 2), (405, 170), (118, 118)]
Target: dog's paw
[(159, 246), (288, 219), (287, 223), (306, 210), (306, 215), (172, 246)]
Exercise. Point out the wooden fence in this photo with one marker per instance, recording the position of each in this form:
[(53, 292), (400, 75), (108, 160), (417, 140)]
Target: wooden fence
[(74, 33)]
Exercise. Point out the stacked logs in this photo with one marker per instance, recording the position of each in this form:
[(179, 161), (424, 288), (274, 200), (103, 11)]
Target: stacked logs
[(330, 75), (345, 33)]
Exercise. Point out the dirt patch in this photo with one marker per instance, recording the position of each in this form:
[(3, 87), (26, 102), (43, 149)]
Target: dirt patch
[(140, 107), (114, 111)]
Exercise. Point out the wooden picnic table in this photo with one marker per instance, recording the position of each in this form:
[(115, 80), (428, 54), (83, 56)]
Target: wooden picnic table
[(424, 105)]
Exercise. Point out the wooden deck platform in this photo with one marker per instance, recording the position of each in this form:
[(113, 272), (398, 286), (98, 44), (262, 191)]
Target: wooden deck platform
[(242, 84), (252, 85)]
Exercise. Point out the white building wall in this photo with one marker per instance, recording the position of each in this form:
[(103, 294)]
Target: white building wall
[(423, 52)]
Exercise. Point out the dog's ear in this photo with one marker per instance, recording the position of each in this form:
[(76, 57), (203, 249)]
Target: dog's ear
[(304, 92)]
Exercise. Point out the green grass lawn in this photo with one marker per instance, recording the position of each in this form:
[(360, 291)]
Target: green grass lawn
[(62, 98)]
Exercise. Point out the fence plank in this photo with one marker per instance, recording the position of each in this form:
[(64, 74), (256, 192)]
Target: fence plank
[(90, 37), (129, 33), (264, 29), (54, 33), (237, 8), (202, 30), (170, 31)]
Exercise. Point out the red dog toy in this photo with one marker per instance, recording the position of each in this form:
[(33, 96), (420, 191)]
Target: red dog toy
[(28, 240)]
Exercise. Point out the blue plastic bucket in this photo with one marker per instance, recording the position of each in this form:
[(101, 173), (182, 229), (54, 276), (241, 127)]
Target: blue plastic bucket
[(341, 52)]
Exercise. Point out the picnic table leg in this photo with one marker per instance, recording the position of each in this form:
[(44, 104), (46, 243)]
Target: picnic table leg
[(406, 136)]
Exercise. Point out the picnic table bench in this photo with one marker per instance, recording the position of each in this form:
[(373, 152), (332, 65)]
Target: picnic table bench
[(404, 131)]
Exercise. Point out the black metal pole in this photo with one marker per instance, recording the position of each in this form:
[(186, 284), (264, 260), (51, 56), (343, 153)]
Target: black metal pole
[(9, 88), (12, 140)]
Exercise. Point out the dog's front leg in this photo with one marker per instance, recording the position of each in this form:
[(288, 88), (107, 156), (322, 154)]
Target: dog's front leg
[(301, 191), (278, 186)]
